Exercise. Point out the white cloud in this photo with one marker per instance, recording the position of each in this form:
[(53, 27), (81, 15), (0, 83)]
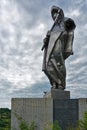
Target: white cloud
[(74, 13), (5, 103)]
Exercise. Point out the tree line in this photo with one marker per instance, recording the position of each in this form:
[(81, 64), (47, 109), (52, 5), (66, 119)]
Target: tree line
[(5, 119)]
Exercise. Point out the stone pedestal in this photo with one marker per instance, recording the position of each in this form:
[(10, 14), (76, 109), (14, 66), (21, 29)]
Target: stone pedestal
[(55, 105), (57, 94), (60, 94)]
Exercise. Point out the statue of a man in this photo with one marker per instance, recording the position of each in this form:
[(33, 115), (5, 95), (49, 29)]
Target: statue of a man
[(58, 46)]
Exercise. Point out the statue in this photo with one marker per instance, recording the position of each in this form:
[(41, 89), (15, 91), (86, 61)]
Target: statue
[(58, 46)]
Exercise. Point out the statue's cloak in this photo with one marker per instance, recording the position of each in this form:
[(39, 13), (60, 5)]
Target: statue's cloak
[(59, 48)]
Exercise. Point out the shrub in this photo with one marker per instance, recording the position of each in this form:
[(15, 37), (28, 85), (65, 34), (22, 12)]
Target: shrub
[(83, 123), (23, 125)]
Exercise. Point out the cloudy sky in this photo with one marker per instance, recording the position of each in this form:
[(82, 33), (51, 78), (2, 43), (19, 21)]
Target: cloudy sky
[(23, 25)]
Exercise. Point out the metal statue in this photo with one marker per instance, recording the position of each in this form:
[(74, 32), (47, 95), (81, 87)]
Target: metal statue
[(58, 46)]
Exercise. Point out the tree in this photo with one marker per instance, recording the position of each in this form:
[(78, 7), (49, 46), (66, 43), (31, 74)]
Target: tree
[(56, 126), (5, 119)]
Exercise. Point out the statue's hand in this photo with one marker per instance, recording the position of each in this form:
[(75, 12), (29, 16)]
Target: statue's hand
[(48, 34), (46, 40)]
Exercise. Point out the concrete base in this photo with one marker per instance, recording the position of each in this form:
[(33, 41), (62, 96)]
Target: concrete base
[(65, 111), (38, 110), (60, 94), (82, 103), (57, 94), (45, 111)]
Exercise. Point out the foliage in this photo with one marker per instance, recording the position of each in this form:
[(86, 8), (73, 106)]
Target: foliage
[(23, 124), (56, 126), (83, 123), (48, 126), (32, 126), (5, 119), (71, 128)]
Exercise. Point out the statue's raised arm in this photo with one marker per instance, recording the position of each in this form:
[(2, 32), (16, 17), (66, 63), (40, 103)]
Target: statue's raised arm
[(58, 46)]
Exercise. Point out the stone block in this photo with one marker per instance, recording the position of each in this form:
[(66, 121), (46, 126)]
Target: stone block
[(57, 94), (66, 112), (39, 110), (60, 94), (44, 111), (82, 107)]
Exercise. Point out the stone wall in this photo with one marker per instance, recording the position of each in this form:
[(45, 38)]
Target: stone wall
[(66, 112), (82, 107), (39, 110)]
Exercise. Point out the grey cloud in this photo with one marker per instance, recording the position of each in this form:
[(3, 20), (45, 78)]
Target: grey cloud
[(37, 90), (78, 64)]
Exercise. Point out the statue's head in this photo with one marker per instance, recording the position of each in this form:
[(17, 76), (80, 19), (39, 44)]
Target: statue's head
[(57, 12)]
